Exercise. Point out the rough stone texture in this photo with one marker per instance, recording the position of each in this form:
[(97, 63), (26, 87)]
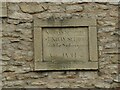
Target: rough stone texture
[(35, 8), (74, 8), (20, 16), (17, 45), (3, 9)]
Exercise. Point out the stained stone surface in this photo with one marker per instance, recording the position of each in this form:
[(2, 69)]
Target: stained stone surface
[(65, 44), (3, 9), (18, 49), (35, 8)]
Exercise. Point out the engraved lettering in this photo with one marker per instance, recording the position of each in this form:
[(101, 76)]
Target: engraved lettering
[(65, 43)]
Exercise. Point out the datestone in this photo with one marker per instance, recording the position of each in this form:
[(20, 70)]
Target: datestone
[(67, 44)]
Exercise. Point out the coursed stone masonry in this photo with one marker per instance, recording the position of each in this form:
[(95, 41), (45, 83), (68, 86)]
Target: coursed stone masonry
[(17, 45)]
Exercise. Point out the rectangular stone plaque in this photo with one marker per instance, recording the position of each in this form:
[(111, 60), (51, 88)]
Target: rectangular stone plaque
[(70, 46)]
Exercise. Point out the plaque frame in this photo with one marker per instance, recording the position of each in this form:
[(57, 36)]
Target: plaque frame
[(39, 65)]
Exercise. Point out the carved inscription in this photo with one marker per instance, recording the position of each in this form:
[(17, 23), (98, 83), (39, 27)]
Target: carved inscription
[(65, 44)]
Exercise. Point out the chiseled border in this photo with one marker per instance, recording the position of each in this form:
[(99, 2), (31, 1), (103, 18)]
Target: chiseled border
[(92, 64)]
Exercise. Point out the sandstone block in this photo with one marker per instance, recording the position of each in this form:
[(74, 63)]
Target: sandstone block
[(32, 7), (20, 16), (74, 8)]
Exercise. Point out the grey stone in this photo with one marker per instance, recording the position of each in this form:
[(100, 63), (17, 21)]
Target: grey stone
[(102, 85), (104, 7), (112, 51), (117, 79), (30, 53), (6, 58), (109, 23), (25, 26), (10, 77), (56, 8), (74, 8), (20, 16), (9, 69), (44, 15), (106, 23), (110, 45), (90, 75), (18, 30), (52, 85), (114, 13), (4, 63), (38, 83), (106, 39), (106, 29), (32, 7), (58, 60), (102, 14), (12, 21), (23, 70), (110, 81), (15, 40), (3, 9), (115, 2), (64, 85), (17, 63), (13, 7)]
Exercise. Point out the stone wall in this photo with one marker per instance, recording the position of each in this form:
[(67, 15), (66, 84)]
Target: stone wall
[(17, 45)]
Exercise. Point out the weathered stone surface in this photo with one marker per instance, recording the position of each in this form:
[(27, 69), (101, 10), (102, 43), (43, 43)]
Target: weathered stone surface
[(15, 40), (56, 9), (4, 63), (104, 7), (14, 83), (44, 15), (17, 45), (20, 16), (32, 7), (38, 83), (111, 45), (9, 69), (14, 7), (25, 26), (106, 23), (63, 46), (112, 51), (11, 21), (10, 77), (106, 29), (117, 79), (102, 15), (3, 9), (52, 85), (67, 32), (115, 2), (102, 85), (23, 70), (74, 8), (6, 58), (64, 85), (114, 13)]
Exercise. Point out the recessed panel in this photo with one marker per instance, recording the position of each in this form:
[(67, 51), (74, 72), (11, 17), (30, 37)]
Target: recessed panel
[(69, 44), (65, 44)]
